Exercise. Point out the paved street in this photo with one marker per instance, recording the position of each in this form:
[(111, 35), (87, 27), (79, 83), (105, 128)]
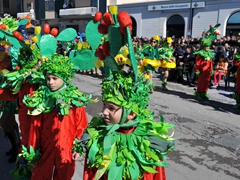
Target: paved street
[(207, 132)]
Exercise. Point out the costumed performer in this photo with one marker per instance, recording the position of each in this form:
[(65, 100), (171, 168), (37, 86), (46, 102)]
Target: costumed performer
[(59, 116), (8, 101), (125, 143), (151, 58), (204, 62), (62, 119), (236, 95), (21, 61), (167, 60)]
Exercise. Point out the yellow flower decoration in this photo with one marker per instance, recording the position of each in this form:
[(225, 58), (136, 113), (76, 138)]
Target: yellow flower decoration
[(156, 37), (169, 40), (27, 42), (37, 29), (35, 39), (79, 45), (113, 9), (98, 63), (32, 47), (125, 52), (85, 45)]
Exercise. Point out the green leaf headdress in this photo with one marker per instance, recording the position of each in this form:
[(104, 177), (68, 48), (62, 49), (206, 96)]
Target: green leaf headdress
[(58, 65), (209, 35), (121, 89)]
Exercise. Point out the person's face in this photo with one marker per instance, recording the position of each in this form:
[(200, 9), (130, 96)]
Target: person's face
[(112, 113), (154, 43), (53, 82), (207, 48), (188, 50)]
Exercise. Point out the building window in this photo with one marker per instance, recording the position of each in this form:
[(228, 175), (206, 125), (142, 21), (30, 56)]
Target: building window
[(29, 6), (94, 3), (49, 5), (6, 4)]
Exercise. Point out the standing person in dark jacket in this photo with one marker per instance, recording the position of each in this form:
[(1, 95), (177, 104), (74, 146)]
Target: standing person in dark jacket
[(187, 64)]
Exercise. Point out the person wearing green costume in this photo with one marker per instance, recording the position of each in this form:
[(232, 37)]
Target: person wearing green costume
[(61, 118), (204, 62), (151, 58), (167, 60), (125, 143)]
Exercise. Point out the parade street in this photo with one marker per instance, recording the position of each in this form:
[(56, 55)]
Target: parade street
[(207, 132)]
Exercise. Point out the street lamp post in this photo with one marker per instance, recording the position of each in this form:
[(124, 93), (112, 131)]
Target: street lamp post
[(190, 21)]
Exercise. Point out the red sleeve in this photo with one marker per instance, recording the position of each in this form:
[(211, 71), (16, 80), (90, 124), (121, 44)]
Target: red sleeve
[(211, 65), (6, 95), (81, 121), (198, 62)]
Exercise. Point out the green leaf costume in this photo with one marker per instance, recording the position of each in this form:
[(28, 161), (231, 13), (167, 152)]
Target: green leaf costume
[(110, 152)]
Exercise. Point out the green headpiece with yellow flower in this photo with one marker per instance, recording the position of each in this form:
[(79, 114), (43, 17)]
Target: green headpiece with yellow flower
[(156, 38), (58, 65)]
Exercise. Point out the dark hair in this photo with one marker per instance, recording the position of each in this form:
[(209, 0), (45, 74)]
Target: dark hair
[(222, 56), (220, 47)]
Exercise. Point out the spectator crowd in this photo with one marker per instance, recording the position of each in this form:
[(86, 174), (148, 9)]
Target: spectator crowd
[(184, 49)]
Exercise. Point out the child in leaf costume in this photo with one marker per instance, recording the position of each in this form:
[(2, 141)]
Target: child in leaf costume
[(167, 60), (8, 100), (236, 95), (204, 62), (62, 118), (151, 57), (125, 143), (58, 108)]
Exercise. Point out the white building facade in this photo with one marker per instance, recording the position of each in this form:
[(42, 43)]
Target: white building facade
[(179, 17)]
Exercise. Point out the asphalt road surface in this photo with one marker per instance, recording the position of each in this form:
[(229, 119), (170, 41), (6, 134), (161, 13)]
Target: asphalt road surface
[(207, 132)]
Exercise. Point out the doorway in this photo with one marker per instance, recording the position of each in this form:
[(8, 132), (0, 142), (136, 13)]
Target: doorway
[(233, 24), (175, 26)]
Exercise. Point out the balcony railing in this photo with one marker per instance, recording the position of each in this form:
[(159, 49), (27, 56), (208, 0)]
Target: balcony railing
[(86, 11)]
